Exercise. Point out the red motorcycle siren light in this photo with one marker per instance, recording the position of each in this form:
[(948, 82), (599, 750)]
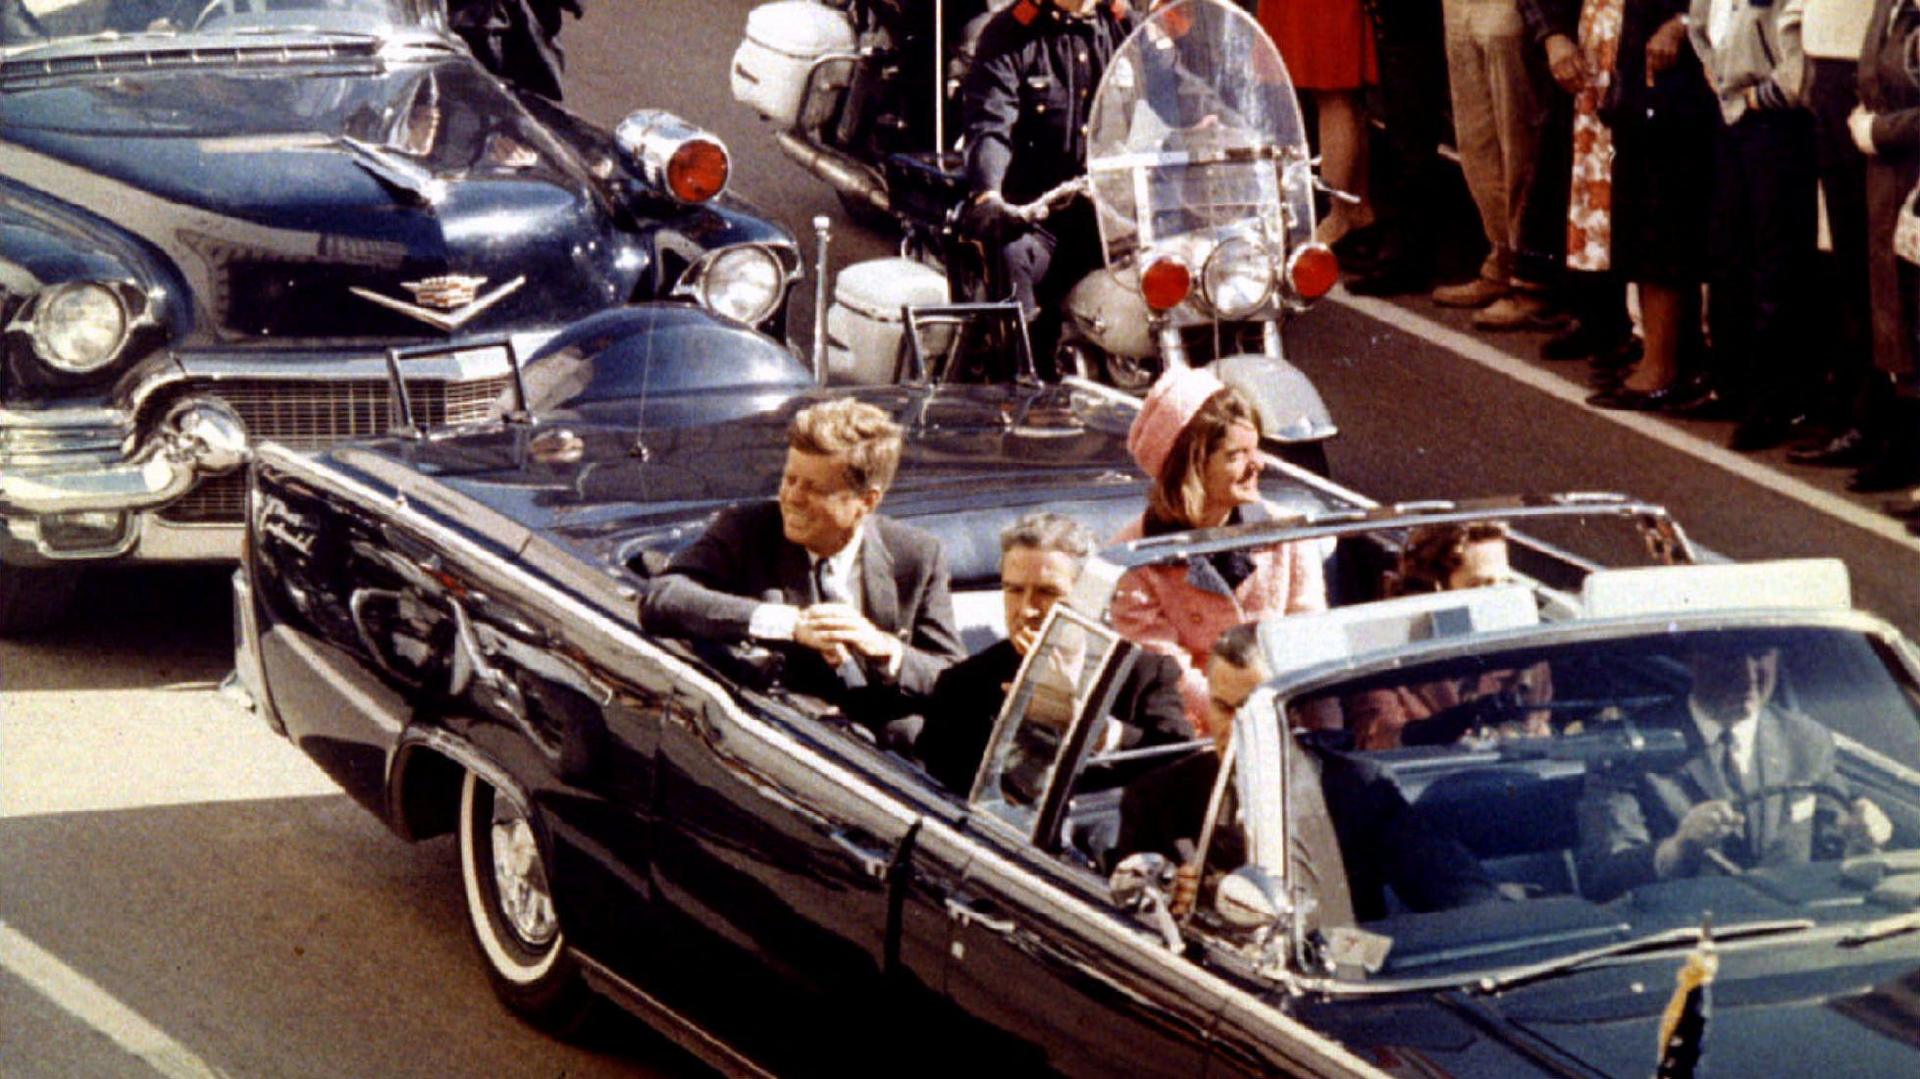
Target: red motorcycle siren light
[(1313, 271), (1164, 283), (697, 171)]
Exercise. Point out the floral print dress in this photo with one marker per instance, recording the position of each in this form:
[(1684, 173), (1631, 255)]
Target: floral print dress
[(1590, 202)]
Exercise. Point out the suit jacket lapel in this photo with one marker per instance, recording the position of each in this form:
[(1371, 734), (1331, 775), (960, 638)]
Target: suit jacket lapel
[(881, 596), (1770, 766)]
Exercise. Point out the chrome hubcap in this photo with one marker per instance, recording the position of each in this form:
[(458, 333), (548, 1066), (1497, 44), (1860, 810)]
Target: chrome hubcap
[(521, 879)]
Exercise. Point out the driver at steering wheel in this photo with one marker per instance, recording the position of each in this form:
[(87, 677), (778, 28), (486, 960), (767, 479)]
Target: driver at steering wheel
[(1747, 794)]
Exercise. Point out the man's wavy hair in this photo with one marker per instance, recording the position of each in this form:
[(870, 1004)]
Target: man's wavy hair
[(1433, 552), (864, 436), (1178, 496)]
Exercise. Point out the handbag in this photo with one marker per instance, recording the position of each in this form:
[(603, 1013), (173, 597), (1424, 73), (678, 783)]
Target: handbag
[(1906, 229)]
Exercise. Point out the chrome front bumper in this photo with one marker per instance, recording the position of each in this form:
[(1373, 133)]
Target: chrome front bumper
[(86, 484), (199, 437)]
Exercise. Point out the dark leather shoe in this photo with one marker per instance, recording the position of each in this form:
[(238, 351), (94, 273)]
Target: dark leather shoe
[(1763, 431), (1888, 472), (1848, 449), (1623, 399), (1390, 279), (1700, 403), (1905, 506)]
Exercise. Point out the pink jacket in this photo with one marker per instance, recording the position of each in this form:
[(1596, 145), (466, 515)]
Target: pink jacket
[(1159, 608)]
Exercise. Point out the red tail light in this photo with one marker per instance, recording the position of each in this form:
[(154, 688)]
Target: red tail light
[(697, 171), (1164, 283), (1313, 271)]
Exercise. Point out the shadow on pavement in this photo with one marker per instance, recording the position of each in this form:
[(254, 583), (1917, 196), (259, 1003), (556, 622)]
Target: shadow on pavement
[(131, 629)]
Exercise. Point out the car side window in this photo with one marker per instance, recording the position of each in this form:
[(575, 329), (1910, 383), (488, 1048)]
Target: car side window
[(1063, 678)]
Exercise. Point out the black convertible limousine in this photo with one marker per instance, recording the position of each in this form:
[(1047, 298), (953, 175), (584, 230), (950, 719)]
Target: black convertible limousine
[(445, 622)]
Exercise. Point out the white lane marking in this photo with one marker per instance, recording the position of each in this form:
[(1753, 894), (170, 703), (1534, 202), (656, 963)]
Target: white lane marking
[(80, 997), (1478, 351)]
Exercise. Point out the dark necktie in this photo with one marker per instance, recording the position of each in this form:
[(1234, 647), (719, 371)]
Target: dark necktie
[(827, 589), (1729, 762)]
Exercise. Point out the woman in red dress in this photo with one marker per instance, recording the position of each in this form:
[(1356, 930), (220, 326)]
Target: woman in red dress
[(1328, 47)]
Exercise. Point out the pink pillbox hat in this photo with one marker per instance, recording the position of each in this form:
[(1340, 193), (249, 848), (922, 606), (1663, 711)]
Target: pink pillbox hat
[(1169, 405)]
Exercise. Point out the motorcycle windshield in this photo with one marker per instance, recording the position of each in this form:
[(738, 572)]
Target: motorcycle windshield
[(1195, 132)]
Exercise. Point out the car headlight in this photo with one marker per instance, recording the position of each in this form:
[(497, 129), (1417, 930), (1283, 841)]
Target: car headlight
[(741, 283), (79, 327), (1237, 279)]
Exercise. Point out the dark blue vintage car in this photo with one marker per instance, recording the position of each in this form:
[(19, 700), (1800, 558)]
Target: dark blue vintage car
[(447, 624), (219, 217)]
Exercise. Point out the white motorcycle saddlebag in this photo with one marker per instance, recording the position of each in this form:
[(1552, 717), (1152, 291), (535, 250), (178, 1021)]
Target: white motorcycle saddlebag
[(866, 323), (1106, 308), (783, 40)]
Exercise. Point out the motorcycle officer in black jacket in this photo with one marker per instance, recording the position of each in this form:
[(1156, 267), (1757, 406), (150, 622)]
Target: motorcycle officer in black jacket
[(1024, 108)]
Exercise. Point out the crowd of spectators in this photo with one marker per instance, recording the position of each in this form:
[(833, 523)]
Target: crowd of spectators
[(1729, 171)]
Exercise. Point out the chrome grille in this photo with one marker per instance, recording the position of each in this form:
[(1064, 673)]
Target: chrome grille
[(314, 415)]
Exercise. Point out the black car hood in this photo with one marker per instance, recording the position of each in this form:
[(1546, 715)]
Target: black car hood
[(274, 191), (1774, 1011)]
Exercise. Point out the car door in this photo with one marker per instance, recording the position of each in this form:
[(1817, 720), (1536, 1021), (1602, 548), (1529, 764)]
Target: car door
[(779, 868), (1050, 972)]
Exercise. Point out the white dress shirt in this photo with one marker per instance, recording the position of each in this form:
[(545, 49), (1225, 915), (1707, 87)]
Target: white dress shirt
[(776, 621), (1744, 730)]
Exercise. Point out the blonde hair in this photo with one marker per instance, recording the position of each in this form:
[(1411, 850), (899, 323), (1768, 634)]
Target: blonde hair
[(861, 434), (1178, 495)]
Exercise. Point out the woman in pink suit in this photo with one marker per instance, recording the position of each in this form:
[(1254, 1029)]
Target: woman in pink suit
[(1199, 441)]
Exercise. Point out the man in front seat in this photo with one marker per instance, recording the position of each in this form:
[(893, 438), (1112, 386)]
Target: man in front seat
[(1041, 555), (853, 598), (1742, 797)]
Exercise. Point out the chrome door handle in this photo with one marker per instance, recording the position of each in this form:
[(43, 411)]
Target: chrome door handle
[(964, 912), (873, 862)]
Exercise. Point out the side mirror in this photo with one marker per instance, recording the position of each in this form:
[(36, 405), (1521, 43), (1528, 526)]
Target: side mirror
[(1142, 882), (1138, 876), (1251, 898)]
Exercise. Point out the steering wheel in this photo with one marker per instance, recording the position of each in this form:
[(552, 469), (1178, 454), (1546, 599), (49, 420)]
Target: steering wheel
[(1746, 801), (1826, 790)]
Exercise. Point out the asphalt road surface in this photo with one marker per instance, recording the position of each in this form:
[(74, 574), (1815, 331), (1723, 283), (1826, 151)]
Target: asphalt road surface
[(182, 894)]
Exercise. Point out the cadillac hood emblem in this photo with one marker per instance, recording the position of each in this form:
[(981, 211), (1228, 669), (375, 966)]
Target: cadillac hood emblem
[(448, 292), (445, 302)]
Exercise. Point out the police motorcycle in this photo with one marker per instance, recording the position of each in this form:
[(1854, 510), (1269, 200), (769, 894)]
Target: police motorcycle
[(859, 92), (1203, 190)]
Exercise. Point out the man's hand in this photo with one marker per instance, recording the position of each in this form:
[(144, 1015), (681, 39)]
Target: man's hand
[(836, 629), (1568, 66), (1663, 48), (1703, 826), (988, 216), (1186, 889), (1860, 126), (1866, 829)]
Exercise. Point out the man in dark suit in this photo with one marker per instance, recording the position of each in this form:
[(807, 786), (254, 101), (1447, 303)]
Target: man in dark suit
[(1040, 559), (1360, 811), (853, 598), (1739, 744)]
